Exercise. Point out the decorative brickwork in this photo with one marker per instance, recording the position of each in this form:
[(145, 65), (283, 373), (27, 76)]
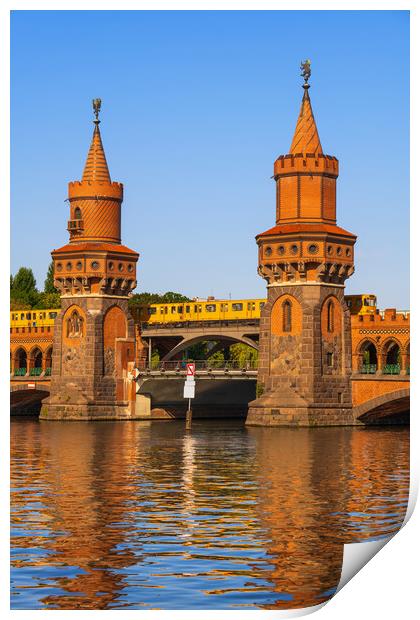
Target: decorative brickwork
[(305, 336), (94, 335)]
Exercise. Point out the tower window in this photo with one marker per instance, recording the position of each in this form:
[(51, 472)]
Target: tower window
[(330, 316), (313, 248), (94, 264), (281, 250), (329, 359), (77, 214), (79, 265), (68, 266), (268, 251), (339, 251), (294, 249), (287, 316)]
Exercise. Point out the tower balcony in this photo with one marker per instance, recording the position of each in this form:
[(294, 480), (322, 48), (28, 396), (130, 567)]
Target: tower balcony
[(75, 226)]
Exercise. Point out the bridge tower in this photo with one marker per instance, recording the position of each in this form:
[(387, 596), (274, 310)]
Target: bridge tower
[(305, 334), (94, 339)]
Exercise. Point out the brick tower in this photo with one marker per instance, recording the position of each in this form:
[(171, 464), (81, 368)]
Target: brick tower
[(305, 335), (94, 340)]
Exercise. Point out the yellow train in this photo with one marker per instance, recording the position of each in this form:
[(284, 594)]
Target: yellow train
[(196, 310), (361, 304), (199, 310), (33, 318)]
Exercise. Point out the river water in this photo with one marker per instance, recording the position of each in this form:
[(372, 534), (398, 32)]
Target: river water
[(138, 515)]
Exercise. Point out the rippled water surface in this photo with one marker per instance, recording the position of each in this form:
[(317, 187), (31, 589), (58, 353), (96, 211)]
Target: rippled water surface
[(145, 516)]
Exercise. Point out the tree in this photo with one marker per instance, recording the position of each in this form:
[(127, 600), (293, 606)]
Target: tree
[(23, 289), (170, 298), (49, 280), (140, 299), (48, 300)]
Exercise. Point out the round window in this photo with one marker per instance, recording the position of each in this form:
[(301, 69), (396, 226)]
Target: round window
[(268, 251), (68, 266), (294, 249), (329, 249), (120, 267), (281, 250), (339, 251), (59, 267), (130, 267), (79, 265), (348, 252), (313, 248), (94, 264), (111, 266)]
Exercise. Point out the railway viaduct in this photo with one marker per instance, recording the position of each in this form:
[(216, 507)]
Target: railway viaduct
[(380, 359)]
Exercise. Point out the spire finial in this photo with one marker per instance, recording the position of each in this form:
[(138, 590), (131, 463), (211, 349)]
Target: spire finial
[(305, 68), (96, 103)]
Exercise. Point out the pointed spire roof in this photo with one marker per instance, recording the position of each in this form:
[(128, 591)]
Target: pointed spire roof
[(306, 138), (96, 168)]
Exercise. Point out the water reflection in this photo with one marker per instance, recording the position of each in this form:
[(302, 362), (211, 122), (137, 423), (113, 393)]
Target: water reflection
[(133, 515)]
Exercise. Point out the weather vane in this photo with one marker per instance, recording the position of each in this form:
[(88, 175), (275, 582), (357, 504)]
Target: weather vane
[(96, 108), (305, 67)]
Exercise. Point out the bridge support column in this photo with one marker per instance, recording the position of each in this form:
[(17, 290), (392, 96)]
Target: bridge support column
[(304, 370)]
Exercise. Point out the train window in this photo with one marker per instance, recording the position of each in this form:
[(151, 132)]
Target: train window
[(179, 309), (173, 309), (251, 306), (22, 316), (369, 302), (237, 307), (211, 308), (166, 309), (152, 310), (187, 309), (28, 316), (199, 308), (162, 310)]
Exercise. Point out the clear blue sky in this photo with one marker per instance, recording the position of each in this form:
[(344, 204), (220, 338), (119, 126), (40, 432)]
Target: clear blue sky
[(197, 105)]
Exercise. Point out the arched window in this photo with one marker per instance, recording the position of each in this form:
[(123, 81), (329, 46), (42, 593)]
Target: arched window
[(330, 316), (287, 316), (77, 214)]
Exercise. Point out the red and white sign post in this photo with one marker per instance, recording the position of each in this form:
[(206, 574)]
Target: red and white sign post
[(189, 392)]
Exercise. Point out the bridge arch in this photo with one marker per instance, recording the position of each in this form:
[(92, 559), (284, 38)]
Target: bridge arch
[(390, 355), (35, 358), (26, 401), (390, 408), (367, 355), (189, 342), (20, 360)]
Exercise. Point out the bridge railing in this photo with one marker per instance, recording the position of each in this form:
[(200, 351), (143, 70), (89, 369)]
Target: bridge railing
[(203, 365)]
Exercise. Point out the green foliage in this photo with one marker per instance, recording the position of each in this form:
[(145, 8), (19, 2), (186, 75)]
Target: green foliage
[(23, 291), (49, 280), (242, 353), (48, 300), (156, 298), (259, 389)]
